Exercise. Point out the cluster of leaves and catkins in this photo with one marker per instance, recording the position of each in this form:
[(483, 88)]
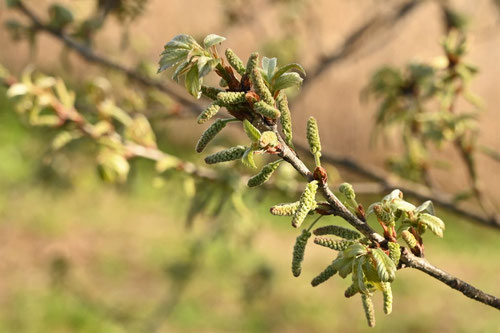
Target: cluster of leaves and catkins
[(421, 101), (254, 95)]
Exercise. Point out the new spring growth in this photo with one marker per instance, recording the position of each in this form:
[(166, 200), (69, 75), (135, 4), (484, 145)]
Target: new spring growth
[(313, 139), (409, 238), (252, 63), (323, 276), (337, 245), (387, 293), (260, 87), (394, 252), (210, 133), (285, 209), (337, 231), (384, 216), (369, 310), (298, 252), (231, 98), (230, 154), (286, 118), (266, 110), (264, 175), (306, 203), (235, 62), (208, 113), (350, 291), (210, 92), (348, 192)]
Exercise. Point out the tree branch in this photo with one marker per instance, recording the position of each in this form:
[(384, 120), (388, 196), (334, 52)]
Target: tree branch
[(468, 290), (288, 155), (388, 182)]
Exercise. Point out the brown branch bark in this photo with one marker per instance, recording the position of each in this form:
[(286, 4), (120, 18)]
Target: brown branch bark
[(410, 260)]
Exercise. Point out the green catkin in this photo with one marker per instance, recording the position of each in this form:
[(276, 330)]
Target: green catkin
[(210, 92), (307, 202), (337, 231), (208, 113), (394, 252), (260, 87), (298, 252), (350, 291), (369, 310), (209, 134), (266, 110), (323, 276), (348, 192), (264, 175), (383, 215), (231, 97), (337, 245), (387, 293), (230, 154), (252, 63), (286, 118), (285, 209), (235, 62), (313, 139), (409, 238)]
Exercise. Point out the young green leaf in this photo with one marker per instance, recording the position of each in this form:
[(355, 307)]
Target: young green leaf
[(251, 131), (287, 80), (288, 67), (193, 82), (385, 266), (248, 159), (213, 39)]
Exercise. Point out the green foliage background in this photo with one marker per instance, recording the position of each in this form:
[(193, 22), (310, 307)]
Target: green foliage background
[(80, 256)]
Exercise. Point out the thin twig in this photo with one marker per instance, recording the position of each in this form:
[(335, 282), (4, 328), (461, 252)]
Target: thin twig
[(468, 290)]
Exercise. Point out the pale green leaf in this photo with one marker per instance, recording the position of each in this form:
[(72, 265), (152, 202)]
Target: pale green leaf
[(193, 82), (213, 39), (282, 70), (287, 80), (251, 131), (248, 159)]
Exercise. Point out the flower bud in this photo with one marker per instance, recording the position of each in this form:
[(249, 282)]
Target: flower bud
[(235, 62), (298, 252), (306, 203), (313, 136), (230, 154), (266, 110), (337, 245), (409, 238), (323, 276), (337, 231), (209, 134), (264, 175), (285, 209), (260, 87), (285, 119), (231, 97), (208, 113)]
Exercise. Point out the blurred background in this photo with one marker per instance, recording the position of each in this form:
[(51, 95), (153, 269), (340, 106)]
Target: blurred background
[(164, 251)]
